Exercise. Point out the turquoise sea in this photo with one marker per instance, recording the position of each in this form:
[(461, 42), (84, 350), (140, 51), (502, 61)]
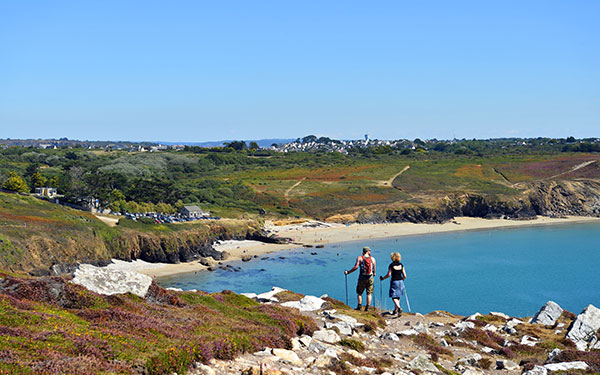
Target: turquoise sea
[(514, 271)]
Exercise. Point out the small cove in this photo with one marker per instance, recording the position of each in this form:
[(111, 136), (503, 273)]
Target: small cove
[(510, 270)]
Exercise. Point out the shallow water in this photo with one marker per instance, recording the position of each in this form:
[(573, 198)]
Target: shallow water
[(510, 270)]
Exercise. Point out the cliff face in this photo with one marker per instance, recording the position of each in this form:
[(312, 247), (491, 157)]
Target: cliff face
[(59, 253), (546, 198)]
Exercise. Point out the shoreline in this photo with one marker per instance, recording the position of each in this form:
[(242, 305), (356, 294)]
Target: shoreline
[(315, 233)]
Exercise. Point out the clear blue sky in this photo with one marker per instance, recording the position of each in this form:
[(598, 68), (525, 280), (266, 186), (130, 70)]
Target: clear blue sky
[(211, 70)]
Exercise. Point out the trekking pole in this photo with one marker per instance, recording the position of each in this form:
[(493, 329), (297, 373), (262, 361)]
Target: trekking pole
[(380, 296), (406, 296), (346, 276)]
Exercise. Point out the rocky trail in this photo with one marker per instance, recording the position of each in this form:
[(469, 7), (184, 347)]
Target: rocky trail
[(437, 343)]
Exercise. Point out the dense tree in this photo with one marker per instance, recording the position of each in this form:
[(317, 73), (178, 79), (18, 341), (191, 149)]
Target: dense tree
[(15, 183)]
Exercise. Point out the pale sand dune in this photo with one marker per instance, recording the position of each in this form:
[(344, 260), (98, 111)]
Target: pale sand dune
[(334, 233)]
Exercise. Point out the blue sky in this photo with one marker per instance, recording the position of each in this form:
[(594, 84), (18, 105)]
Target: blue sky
[(200, 71)]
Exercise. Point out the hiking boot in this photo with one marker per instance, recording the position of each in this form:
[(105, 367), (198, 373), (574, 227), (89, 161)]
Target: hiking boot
[(395, 311), (399, 312), (367, 308), (358, 307)]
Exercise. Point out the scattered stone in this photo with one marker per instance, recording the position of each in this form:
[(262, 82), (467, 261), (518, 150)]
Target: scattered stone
[(344, 328), (490, 328), (305, 340), (356, 354), (204, 370), (553, 354), (326, 335), (470, 360), (566, 366), (307, 303), (316, 346), (529, 340), (506, 364), (500, 315), (461, 326), (473, 317), (390, 336), (422, 363), (107, 281), (408, 332), (287, 356), (269, 296), (487, 349), (548, 314), (444, 343), (537, 370), (584, 328)]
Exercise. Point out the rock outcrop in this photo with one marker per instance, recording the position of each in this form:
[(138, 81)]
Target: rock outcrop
[(108, 281), (584, 330), (548, 314)]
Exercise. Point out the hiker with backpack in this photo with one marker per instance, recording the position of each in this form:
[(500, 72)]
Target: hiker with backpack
[(398, 273), (366, 263)]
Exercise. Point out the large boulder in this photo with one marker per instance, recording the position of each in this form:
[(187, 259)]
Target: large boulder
[(584, 328), (567, 366), (108, 281), (307, 303), (548, 314)]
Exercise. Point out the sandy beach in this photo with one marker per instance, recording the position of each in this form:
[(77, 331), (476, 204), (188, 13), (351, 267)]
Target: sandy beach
[(316, 233)]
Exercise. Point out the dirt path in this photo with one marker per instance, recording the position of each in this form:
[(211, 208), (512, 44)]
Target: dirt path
[(110, 221), (578, 166), (287, 192), (389, 182)]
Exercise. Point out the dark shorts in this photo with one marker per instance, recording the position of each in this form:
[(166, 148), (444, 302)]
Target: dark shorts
[(363, 284)]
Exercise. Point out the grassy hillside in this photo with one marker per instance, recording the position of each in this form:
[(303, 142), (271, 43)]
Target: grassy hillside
[(35, 234), (49, 325)]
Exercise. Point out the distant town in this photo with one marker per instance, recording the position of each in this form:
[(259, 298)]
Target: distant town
[(310, 143)]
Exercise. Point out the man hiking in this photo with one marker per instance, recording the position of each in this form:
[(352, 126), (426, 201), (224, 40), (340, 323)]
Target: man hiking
[(366, 263)]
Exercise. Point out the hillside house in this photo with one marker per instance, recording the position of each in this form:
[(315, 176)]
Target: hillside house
[(47, 192), (193, 211)]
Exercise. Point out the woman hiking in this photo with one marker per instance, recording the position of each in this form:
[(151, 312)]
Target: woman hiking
[(398, 273)]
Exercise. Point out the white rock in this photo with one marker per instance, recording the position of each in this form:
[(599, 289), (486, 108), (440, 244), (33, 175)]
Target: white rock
[(369, 370), (513, 323), (266, 352), (470, 371), (342, 317), (322, 361), (537, 370), (422, 363), (553, 354), (204, 370), (317, 347), (506, 364), (585, 327), (332, 353), (287, 356), (326, 335), (249, 295), (408, 332), (487, 349), (566, 366), (444, 343), (499, 314), (269, 296), (343, 327), (470, 360), (548, 314), (305, 340), (473, 317), (461, 326), (307, 303), (107, 281), (390, 336), (529, 340), (421, 328), (356, 354), (296, 346), (490, 328)]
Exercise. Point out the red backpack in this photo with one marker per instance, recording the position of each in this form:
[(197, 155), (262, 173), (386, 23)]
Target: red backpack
[(366, 266)]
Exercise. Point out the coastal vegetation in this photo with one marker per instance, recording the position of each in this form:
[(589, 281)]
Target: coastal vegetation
[(49, 325), (241, 181)]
